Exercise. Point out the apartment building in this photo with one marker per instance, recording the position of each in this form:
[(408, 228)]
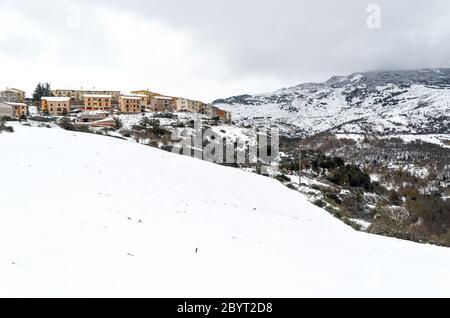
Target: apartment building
[(183, 104), (13, 110), (209, 110), (20, 109), (77, 96), (55, 106), (133, 103), (163, 104), (12, 95), (187, 105), (97, 102)]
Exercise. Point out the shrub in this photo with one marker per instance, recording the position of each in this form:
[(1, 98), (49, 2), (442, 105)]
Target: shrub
[(353, 224), (4, 127), (320, 203), (165, 115), (395, 198), (118, 123), (352, 176), (334, 197), (282, 178), (67, 124)]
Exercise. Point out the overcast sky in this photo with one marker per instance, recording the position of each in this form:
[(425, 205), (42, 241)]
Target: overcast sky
[(207, 49)]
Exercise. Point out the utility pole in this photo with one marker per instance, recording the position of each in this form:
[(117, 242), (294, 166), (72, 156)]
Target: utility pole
[(300, 166)]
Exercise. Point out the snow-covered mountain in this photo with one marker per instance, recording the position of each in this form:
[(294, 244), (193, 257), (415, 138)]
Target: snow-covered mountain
[(86, 215), (374, 102)]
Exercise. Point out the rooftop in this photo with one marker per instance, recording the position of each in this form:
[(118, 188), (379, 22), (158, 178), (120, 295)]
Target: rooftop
[(96, 96), (86, 90), (16, 104), (56, 99), (12, 90), (131, 97), (134, 95)]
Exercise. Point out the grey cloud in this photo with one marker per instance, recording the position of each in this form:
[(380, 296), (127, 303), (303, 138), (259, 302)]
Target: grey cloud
[(286, 40), (301, 38)]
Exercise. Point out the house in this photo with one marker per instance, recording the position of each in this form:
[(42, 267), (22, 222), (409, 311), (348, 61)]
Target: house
[(20, 109), (97, 102), (92, 116), (104, 123), (12, 95), (6, 110), (13, 110), (163, 104), (133, 103), (55, 106), (77, 95)]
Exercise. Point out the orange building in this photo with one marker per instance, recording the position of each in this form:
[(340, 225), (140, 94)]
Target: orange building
[(55, 106), (133, 103), (13, 110), (20, 109), (163, 104), (97, 102), (224, 115)]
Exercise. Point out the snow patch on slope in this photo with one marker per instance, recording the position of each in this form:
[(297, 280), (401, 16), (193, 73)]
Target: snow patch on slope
[(87, 215)]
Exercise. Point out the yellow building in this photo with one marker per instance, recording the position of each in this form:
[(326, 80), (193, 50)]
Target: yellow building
[(187, 105), (55, 106), (77, 96), (133, 103), (12, 95), (146, 92), (97, 102)]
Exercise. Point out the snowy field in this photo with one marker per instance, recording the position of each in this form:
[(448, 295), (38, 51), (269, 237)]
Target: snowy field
[(86, 215)]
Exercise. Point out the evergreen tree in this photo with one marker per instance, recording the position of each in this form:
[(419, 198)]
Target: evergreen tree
[(42, 90)]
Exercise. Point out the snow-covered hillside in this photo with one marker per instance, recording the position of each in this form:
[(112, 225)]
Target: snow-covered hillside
[(87, 215), (374, 102)]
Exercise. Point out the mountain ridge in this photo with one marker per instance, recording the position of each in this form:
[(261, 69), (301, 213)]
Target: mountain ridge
[(410, 101)]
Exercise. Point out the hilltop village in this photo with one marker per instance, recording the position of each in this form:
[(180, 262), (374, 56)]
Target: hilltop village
[(97, 107)]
